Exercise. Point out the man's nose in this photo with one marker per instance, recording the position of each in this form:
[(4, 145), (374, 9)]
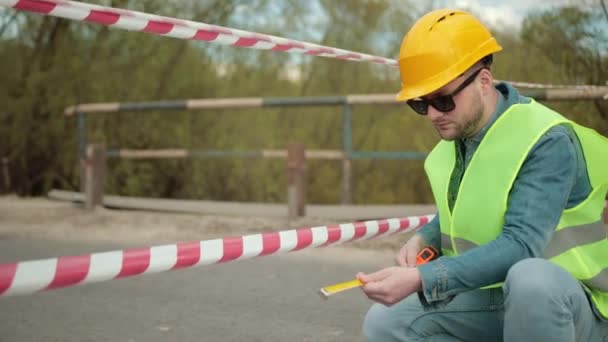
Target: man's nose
[(433, 113)]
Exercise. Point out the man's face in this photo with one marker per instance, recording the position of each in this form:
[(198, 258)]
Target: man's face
[(463, 121)]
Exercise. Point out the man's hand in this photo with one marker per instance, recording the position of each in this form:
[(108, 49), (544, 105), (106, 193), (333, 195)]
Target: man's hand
[(390, 285), (408, 252)]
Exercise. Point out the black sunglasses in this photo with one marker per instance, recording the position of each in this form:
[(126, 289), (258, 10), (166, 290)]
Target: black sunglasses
[(443, 103)]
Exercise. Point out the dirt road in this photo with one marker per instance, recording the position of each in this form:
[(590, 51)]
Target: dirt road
[(264, 299)]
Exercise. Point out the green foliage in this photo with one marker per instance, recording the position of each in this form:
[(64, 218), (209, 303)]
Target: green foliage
[(573, 42), (48, 64)]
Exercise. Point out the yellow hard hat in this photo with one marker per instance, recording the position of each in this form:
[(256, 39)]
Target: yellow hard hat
[(440, 47)]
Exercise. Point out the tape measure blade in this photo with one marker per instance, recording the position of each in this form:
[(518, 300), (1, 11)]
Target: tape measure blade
[(336, 288), (324, 294)]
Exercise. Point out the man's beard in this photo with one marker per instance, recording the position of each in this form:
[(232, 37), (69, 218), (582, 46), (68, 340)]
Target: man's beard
[(471, 126)]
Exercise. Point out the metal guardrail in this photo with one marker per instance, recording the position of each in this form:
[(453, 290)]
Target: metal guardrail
[(346, 155)]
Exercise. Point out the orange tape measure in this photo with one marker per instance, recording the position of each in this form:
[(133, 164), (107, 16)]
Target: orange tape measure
[(426, 254)]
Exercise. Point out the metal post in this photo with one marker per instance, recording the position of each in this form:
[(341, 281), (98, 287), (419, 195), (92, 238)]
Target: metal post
[(82, 148), (95, 175), (347, 178), (296, 180)]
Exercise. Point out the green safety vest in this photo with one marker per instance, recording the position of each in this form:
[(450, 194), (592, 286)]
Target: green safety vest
[(580, 243)]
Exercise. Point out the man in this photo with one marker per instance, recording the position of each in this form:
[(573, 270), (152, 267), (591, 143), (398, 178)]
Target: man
[(519, 191)]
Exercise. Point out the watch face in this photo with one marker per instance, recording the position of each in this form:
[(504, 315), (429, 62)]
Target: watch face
[(426, 254)]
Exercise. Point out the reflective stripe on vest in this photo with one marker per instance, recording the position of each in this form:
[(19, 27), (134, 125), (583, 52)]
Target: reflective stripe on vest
[(599, 281), (563, 239)]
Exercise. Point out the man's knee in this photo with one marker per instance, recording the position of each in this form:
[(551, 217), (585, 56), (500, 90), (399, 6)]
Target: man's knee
[(376, 323), (384, 323), (534, 279)]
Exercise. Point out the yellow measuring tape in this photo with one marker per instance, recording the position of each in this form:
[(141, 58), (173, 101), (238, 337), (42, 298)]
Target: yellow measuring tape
[(425, 255), (327, 291)]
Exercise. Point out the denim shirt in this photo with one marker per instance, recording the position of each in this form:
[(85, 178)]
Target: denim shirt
[(553, 177)]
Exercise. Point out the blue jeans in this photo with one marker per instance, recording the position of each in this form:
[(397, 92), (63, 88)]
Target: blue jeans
[(539, 302)]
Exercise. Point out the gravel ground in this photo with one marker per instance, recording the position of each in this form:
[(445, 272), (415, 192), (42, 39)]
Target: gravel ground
[(66, 221)]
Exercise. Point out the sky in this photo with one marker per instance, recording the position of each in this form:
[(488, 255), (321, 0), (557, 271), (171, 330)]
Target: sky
[(503, 13)]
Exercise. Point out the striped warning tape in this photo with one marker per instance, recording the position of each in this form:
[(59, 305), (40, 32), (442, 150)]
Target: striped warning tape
[(186, 29), (554, 86), (182, 29), (26, 277)]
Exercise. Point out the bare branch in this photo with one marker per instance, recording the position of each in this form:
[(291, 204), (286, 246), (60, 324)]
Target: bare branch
[(8, 23), (603, 3)]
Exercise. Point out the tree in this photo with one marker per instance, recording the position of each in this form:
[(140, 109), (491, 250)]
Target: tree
[(576, 40)]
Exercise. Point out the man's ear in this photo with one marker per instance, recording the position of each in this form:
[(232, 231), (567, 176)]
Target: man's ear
[(486, 81)]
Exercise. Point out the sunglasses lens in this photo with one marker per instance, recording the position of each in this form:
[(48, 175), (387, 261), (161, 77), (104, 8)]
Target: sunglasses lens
[(443, 103), (419, 106)]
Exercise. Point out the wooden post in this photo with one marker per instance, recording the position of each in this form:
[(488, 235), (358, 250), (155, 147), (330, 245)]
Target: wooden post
[(296, 180), (94, 175), (6, 174), (82, 167), (82, 149)]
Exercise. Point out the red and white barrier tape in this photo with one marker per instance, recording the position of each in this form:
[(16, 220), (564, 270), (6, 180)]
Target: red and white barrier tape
[(183, 29), (26, 277), (553, 86), (186, 29)]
